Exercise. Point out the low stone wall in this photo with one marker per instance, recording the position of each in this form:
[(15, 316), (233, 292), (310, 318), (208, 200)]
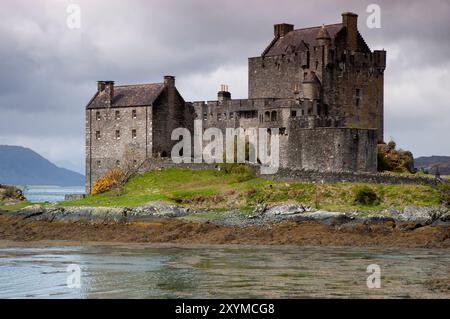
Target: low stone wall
[(341, 177), (158, 163), (74, 196), (305, 175)]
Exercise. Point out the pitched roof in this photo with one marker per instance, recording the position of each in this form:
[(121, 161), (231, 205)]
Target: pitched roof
[(296, 40), (127, 95)]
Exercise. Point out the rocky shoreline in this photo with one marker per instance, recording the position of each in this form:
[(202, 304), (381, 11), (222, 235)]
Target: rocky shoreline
[(288, 223), (260, 215)]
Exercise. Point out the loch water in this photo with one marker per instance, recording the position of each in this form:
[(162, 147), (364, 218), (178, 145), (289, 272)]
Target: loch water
[(166, 271)]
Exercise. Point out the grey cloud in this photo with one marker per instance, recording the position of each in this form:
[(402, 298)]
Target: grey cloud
[(48, 72)]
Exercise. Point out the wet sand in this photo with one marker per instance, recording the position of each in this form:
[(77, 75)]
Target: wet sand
[(303, 233)]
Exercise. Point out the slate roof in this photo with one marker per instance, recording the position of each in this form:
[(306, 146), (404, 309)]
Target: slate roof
[(127, 95), (298, 39)]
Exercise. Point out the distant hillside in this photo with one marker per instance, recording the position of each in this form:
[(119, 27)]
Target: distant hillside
[(430, 163), (22, 166)]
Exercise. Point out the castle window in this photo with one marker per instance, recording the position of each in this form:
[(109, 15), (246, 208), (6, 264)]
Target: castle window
[(99, 164), (134, 114), (224, 116), (293, 113), (117, 163), (133, 134), (282, 131), (97, 135), (218, 117), (358, 97), (273, 116), (231, 115), (135, 163), (117, 135), (117, 115), (267, 116), (97, 115), (205, 116)]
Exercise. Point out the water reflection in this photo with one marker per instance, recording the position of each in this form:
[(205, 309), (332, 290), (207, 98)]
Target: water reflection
[(143, 271)]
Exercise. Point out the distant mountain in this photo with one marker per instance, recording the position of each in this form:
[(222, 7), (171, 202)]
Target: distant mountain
[(431, 163), (22, 166)]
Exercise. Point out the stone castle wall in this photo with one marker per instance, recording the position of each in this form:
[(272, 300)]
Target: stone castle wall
[(325, 97), (109, 150), (330, 149)]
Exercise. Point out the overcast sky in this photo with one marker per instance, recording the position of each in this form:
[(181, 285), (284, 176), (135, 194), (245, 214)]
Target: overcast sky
[(48, 72)]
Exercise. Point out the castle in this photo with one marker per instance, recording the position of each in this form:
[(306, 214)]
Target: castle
[(322, 87)]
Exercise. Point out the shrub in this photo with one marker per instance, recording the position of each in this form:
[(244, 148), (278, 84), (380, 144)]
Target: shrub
[(395, 160), (10, 192), (444, 189), (114, 178), (366, 196)]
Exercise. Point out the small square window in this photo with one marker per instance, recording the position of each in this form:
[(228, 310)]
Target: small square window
[(97, 116), (293, 113), (134, 114), (117, 163), (97, 135), (117, 115), (117, 135), (133, 134), (99, 164)]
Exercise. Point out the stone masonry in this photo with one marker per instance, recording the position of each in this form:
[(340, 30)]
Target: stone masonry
[(322, 87)]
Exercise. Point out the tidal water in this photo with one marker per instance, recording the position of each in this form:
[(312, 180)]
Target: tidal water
[(161, 271), (40, 194)]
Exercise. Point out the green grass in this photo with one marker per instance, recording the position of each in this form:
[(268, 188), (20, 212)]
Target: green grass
[(14, 207), (220, 191)]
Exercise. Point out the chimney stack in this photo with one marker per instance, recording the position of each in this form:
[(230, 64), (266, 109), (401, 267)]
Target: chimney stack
[(169, 81), (350, 22), (107, 86), (280, 30), (223, 94)]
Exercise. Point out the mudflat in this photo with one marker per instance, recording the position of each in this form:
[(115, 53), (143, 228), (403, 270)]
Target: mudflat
[(170, 230)]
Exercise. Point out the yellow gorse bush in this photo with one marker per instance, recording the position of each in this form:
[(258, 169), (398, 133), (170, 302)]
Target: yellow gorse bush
[(110, 180)]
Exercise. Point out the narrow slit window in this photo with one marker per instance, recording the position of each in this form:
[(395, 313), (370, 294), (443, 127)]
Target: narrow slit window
[(358, 97)]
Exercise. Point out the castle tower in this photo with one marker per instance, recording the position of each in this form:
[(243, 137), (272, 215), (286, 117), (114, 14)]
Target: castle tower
[(311, 86)]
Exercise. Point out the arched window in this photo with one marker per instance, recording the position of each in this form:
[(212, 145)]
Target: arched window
[(273, 116), (267, 116)]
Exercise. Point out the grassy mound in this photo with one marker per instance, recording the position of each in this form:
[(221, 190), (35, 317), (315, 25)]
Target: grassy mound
[(11, 198), (226, 189)]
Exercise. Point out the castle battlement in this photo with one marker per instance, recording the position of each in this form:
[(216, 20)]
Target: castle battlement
[(322, 87)]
